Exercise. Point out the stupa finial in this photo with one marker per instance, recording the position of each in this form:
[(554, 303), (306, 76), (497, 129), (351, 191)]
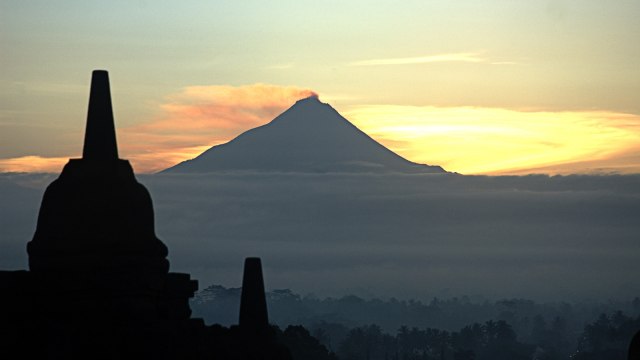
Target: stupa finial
[(100, 135)]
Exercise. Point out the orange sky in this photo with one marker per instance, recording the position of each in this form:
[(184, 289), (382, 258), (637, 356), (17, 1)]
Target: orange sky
[(468, 140)]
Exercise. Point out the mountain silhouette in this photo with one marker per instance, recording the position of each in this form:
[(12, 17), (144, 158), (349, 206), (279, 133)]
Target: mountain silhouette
[(310, 136)]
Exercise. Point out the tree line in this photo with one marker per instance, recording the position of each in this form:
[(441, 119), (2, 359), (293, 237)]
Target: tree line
[(607, 338), (351, 327)]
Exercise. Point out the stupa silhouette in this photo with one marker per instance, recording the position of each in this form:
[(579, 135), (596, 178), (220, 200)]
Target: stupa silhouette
[(99, 285)]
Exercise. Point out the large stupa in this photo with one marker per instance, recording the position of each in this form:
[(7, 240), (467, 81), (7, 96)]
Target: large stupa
[(96, 218), (99, 286)]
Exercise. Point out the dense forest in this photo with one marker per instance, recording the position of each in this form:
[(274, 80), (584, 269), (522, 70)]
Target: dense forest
[(350, 327)]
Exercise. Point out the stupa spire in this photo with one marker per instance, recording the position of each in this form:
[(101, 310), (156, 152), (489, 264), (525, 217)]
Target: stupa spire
[(100, 135)]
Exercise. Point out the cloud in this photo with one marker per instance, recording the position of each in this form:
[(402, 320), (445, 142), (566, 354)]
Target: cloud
[(199, 117), (409, 235), (448, 57), (33, 164), (552, 238), (624, 161), (190, 122), (469, 140), (473, 140)]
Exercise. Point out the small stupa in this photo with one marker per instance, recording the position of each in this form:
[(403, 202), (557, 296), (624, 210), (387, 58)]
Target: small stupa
[(254, 318)]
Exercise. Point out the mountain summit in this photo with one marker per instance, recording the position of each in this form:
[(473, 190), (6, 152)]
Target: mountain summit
[(309, 137)]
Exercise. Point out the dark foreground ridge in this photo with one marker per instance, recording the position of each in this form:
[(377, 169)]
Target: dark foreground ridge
[(99, 286)]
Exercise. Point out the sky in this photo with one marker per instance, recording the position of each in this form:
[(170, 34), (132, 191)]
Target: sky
[(478, 87)]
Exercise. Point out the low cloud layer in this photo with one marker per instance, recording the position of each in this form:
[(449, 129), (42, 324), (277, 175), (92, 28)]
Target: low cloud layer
[(569, 237)]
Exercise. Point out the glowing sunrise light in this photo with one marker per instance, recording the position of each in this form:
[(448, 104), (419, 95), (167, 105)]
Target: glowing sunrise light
[(490, 141), (153, 161), (33, 163), (468, 140)]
